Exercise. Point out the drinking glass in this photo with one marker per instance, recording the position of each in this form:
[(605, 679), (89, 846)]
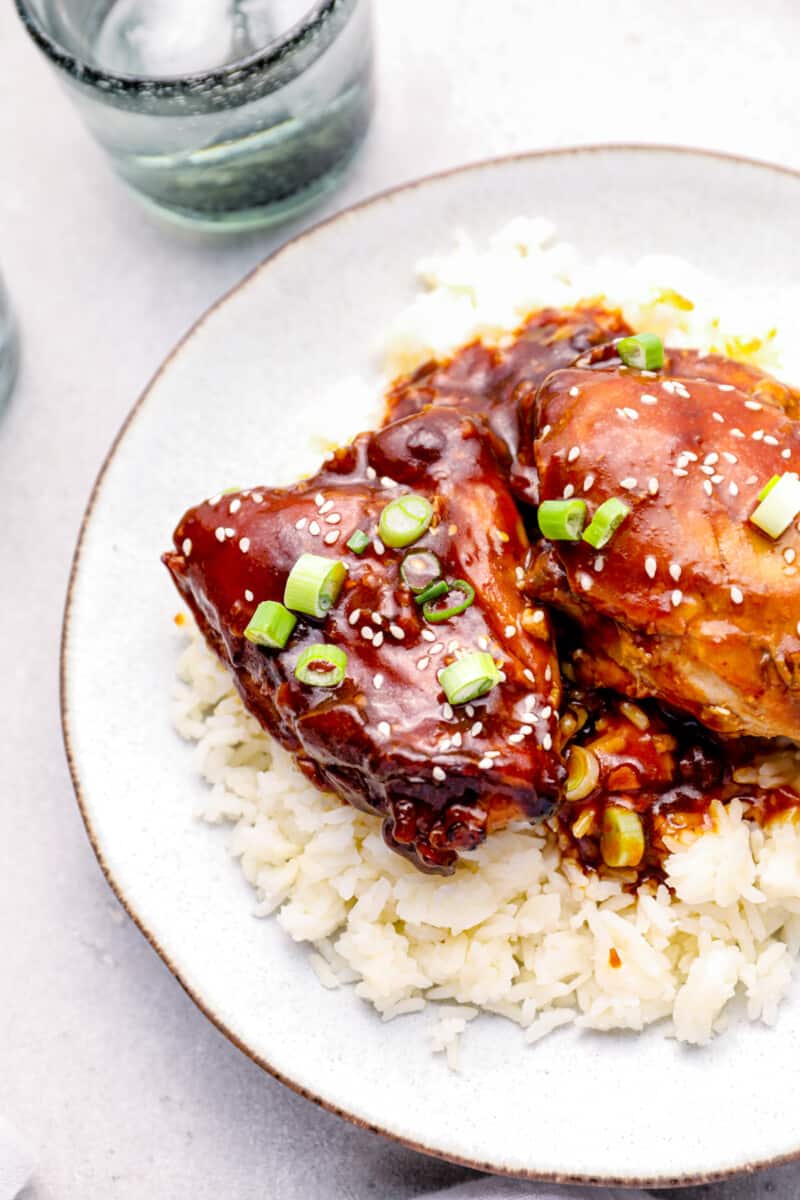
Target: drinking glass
[(9, 347), (224, 113)]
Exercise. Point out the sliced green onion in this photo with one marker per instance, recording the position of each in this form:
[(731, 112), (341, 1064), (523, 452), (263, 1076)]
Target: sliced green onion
[(432, 593), (583, 773), (780, 506), (605, 522), (358, 541), (404, 520), (562, 520), (645, 351), (229, 491), (270, 625), (321, 666), (434, 615), (419, 569), (622, 839), (314, 584), (767, 488), (469, 677)]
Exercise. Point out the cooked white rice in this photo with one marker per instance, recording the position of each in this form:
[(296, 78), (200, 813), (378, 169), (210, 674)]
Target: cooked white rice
[(517, 930)]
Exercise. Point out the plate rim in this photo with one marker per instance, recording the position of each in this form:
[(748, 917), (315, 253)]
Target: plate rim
[(193, 992)]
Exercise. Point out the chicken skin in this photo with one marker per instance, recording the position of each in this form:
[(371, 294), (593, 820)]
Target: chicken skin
[(498, 384), (689, 602), (386, 739)]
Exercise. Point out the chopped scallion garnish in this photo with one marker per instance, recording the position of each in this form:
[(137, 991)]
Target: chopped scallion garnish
[(314, 584), (419, 569), (432, 593), (583, 773), (779, 507), (767, 488), (270, 625), (435, 615), (404, 520), (469, 677), (605, 522), (562, 520), (622, 840), (644, 351), (358, 541), (321, 666)]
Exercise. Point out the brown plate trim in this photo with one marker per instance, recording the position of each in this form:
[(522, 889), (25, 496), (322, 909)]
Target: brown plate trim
[(378, 198)]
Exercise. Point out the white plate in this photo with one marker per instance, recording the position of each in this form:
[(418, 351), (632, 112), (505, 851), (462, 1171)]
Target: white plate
[(238, 402)]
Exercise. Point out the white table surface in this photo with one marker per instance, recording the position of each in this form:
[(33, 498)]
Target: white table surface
[(123, 1088)]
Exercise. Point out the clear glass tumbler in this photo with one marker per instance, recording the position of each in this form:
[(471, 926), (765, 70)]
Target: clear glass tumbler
[(9, 347), (224, 113)]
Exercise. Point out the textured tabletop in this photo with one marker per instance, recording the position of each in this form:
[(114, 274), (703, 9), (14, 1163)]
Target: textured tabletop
[(121, 1086)]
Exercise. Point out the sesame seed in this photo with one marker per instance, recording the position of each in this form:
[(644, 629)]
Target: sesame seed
[(529, 675), (319, 499), (428, 635), (355, 616), (547, 741), (757, 435), (485, 764), (753, 405), (733, 488), (575, 452), (230, 532), (717, 478), (301, 524), (219, 534), (675, 570), (647, 398), (514, 738), (679, 471), (737, 595), (244, 544), (387, 481), (585, 580), (385, 728), (248, 595), (370, 473), (444, 745), (367, 632), (377, 641), (377, 619), (186, 546), (477, 728), (469, 710), (510, 630), (599, 562), (447, 712), (711, 458), (333, 518), (438, 774), (631, 414), (628, 482), (453, 645), (718, 417), (545, 431), (769, 440), (588, 482), (423, 662), (546, 712), (492, 754), (214, 501), (652, 485), (737, 433), (377, 681), (257, 498), (573, 391), (457, 739), (731, 458), (707, 470), (725, 387), (526, 730), (234, 506), (397, 632), (651, 566), (797, 628), (789, 554), (378, 545), (569, 491), (676, 597), (548, 673), (786, 453), (313, 529)]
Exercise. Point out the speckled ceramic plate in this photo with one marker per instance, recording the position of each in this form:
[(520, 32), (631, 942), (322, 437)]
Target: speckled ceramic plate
[(238, 400)]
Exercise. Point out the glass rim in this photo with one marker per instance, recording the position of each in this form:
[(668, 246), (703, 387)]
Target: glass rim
[(270, 54)]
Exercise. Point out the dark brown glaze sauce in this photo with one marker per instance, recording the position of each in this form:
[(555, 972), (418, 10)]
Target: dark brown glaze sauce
[(470, 432)]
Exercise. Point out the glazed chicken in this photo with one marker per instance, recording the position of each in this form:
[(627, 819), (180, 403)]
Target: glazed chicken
[(386, 739), (689, 602), (498, 384)]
